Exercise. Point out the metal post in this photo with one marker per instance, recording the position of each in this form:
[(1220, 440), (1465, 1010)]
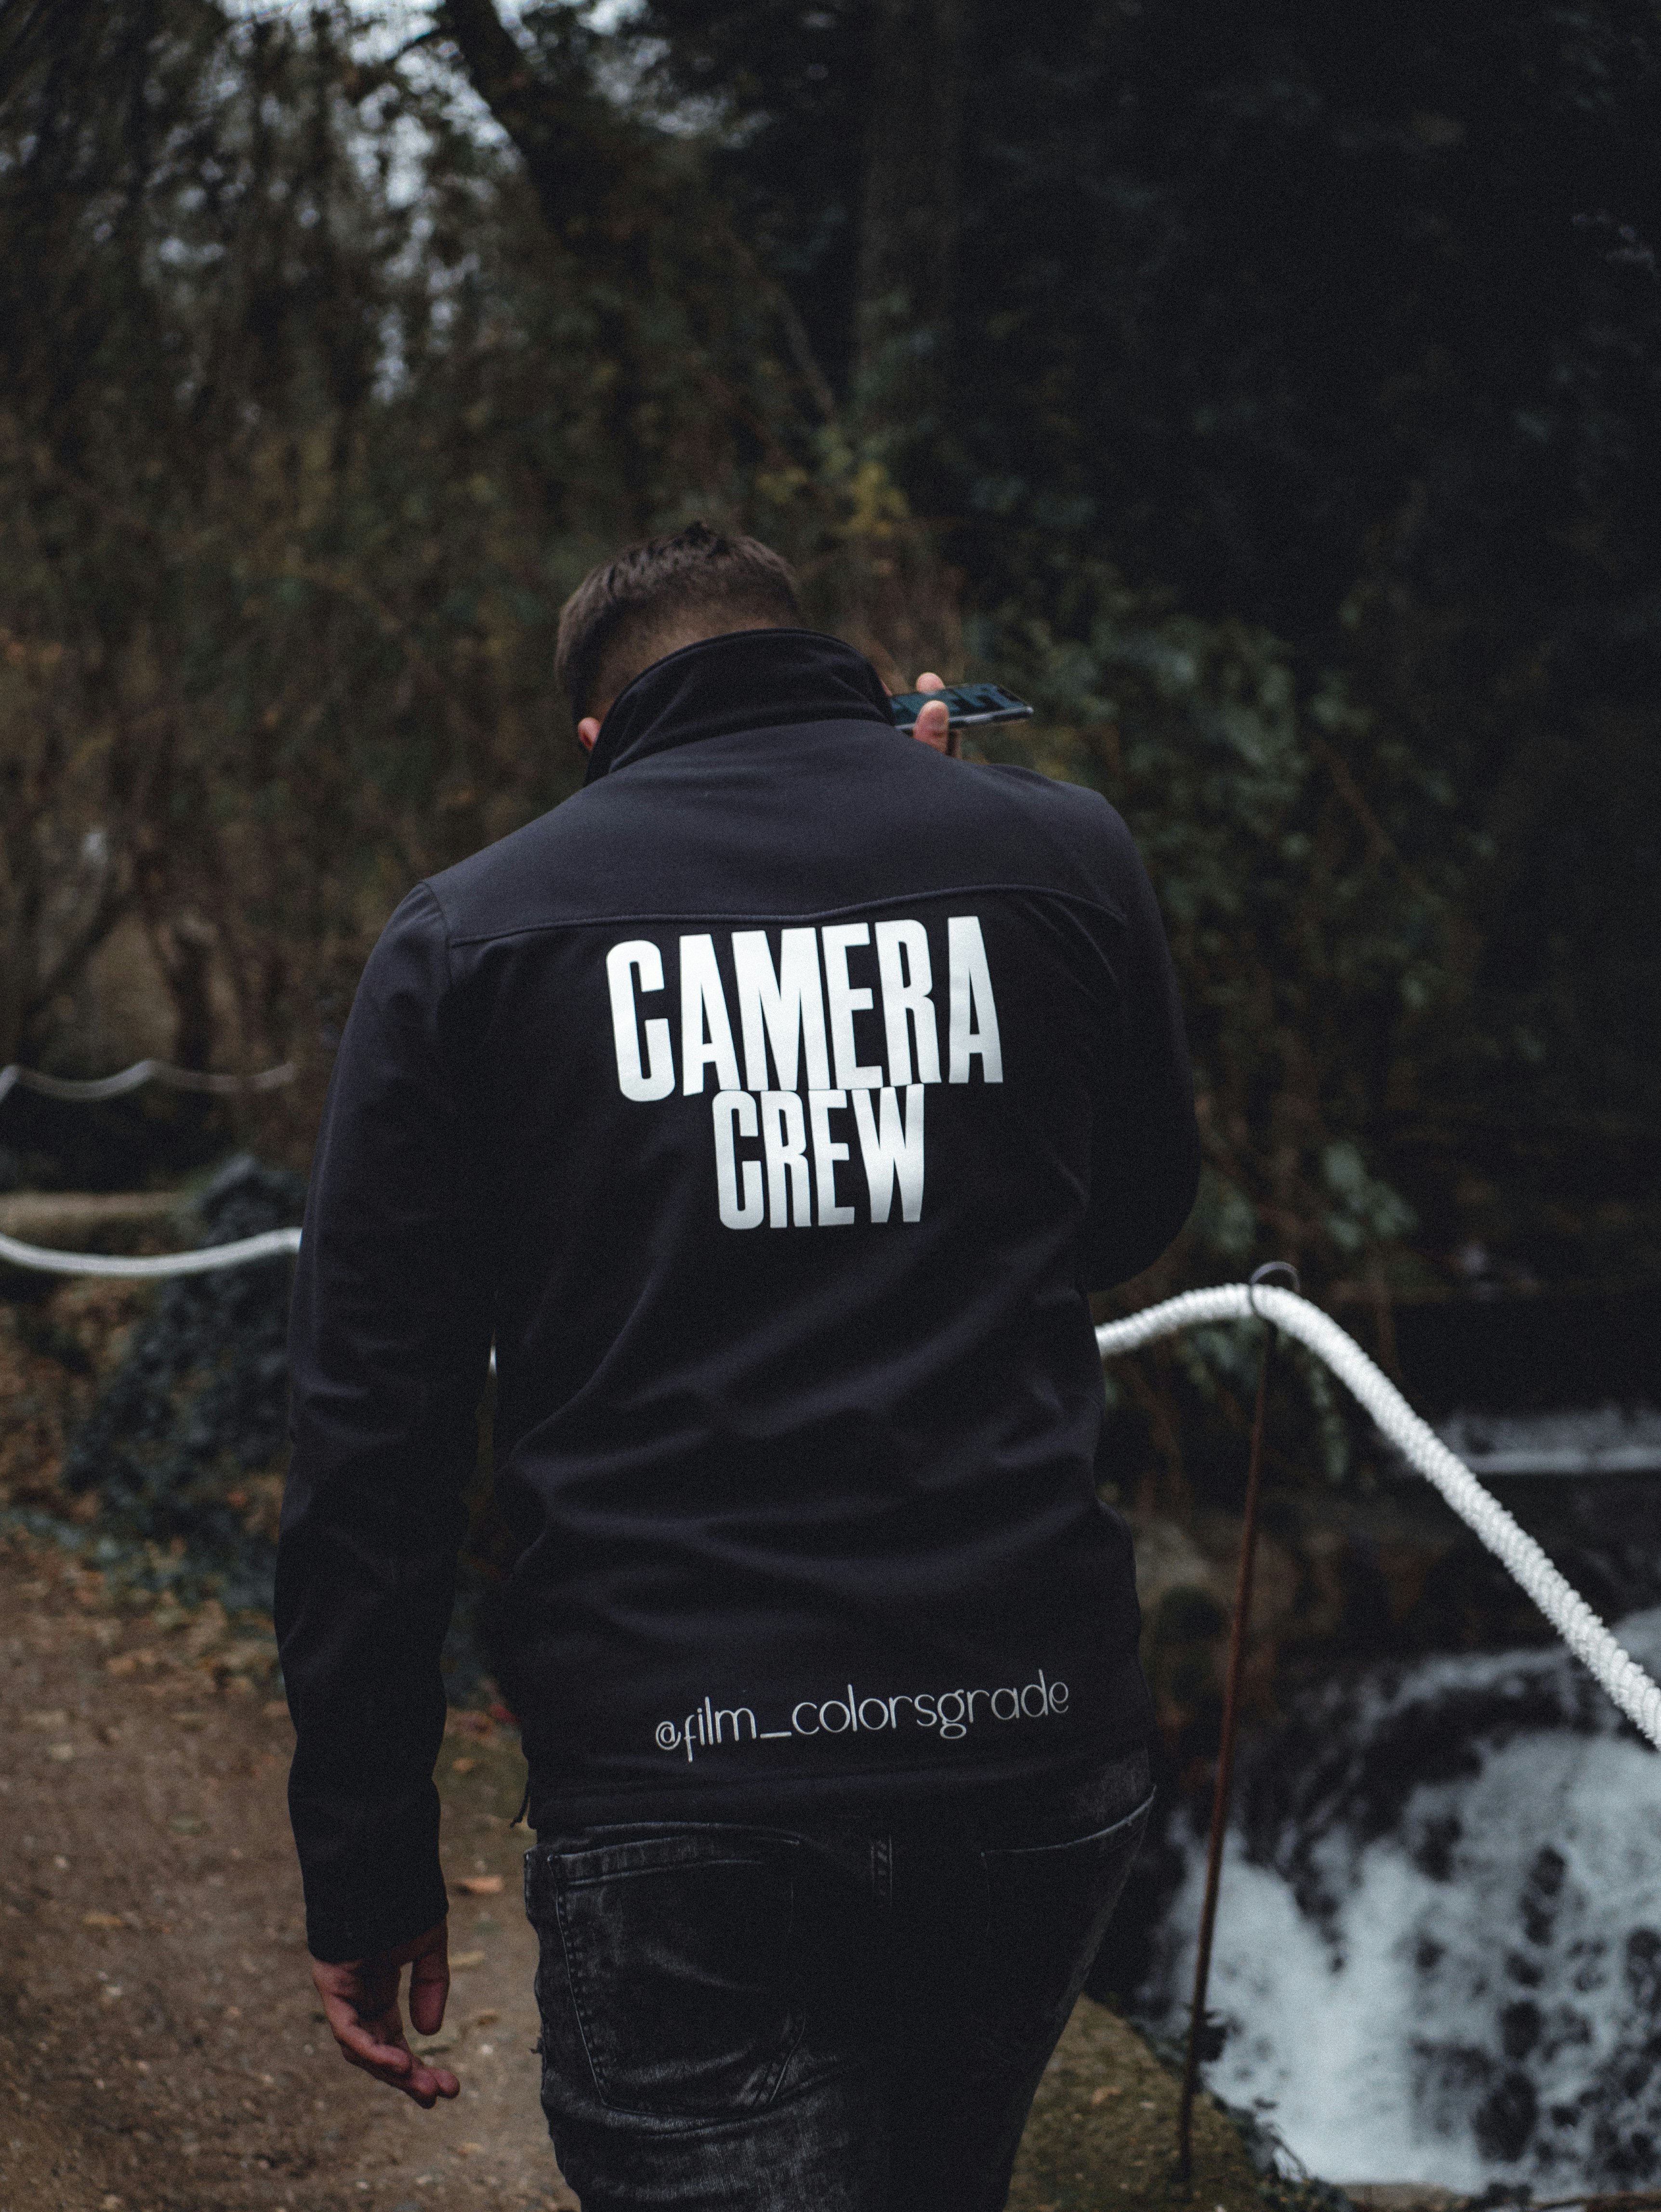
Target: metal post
[(1225, 1749)]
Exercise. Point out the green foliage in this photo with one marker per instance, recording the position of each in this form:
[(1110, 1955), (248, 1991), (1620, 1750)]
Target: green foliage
[(1336, 336), (1273, 817), (308, 424), (1296, 453), (185, 1444)]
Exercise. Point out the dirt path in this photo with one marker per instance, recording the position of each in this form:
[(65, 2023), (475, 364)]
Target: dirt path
[(158, 2035), (159, 2041), (160, 2047)]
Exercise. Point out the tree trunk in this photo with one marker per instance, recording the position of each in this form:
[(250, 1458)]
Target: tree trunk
[(909, 225), (547, 131)]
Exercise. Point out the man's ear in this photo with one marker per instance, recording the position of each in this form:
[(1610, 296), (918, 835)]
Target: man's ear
[(588, 731)]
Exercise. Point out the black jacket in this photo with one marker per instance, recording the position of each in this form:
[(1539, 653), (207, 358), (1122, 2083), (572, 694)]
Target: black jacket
[(773, 1104)]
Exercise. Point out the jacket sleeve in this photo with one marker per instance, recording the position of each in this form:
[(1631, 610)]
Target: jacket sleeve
[(389, 1341), (1144, 1149)]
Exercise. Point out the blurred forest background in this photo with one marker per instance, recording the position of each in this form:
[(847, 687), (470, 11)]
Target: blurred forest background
[(1268, 393)]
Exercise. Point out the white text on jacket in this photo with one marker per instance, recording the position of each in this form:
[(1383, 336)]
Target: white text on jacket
[(783, 1117)]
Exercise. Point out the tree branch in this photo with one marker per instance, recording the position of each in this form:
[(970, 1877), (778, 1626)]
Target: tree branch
[(16, 51), (909, 216), (574, 151), (112, 903), (522, 100)]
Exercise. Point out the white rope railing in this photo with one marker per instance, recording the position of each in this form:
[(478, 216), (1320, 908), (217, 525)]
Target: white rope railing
[(45, 1260), (141, 1073), (1621, 1675)]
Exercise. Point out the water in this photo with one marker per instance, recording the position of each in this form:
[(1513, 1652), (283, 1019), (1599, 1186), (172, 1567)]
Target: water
[(1598, 1440), (1439, 1949)]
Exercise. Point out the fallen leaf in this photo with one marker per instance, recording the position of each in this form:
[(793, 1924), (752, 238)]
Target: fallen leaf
[(60, 1751), (55, 1719), (481, 1885), (102, 1920), (468, 2149), (485, 2019), (463, 1959), (1100, 2096), (112, 1993), (463, 1766)]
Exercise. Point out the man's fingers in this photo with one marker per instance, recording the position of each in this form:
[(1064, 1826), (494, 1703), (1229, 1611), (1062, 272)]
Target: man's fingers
[(443, 2083), (430, 1990), (932, 725), (377, 2047), (424, 2084), (360, 2003), (376, 2042)]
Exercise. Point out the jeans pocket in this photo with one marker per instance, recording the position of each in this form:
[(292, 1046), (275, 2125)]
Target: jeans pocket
[(678, 1953), (1050, 1905)]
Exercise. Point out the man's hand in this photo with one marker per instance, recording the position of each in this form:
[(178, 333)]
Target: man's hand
[(932, 726), (360, 2000)]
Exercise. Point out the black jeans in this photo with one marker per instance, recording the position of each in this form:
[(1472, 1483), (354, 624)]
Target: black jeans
[(848, 2019)]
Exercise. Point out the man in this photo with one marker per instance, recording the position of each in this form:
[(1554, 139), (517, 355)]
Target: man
[(773, 1105)]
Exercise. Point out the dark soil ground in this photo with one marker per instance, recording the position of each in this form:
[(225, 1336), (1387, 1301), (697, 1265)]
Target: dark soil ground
[(159, 2036), (160, 2047), (159, 2039)]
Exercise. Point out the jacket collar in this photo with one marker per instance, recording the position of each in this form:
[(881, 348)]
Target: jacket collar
[(751, 679)]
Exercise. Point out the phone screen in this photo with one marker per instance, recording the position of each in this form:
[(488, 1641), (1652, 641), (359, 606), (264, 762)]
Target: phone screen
[(967, 705)]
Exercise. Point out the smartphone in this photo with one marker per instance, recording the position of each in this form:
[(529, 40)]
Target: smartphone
[(967, 704)]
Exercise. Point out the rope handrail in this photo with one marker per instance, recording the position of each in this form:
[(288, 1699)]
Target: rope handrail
[(1620, 1676), (141, 1073), (45, 1260), (1619, 1673)]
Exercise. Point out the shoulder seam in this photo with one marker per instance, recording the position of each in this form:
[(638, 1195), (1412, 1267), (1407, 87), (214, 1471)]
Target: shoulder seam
[(426, 884), (797, 919)]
